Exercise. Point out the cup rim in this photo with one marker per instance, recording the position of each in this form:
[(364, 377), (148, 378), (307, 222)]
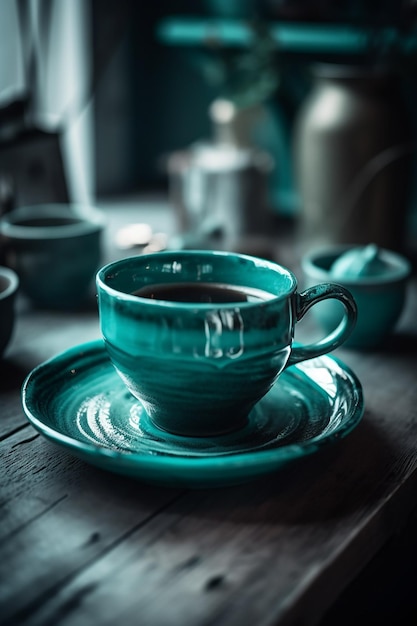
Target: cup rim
[(89, 220), (122, 295), (311, 266), (13, 279)]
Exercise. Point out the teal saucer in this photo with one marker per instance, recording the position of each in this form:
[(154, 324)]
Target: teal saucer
[(77, 399)]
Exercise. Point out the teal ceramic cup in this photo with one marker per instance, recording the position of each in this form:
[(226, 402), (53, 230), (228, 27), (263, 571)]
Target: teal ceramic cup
[(199, 366), (380, 299), (9, 285), (56, 251)]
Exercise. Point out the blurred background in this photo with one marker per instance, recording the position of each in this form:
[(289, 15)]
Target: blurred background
[(103, 99)]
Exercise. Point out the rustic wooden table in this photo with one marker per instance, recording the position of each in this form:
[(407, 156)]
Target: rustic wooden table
[(81, 546)]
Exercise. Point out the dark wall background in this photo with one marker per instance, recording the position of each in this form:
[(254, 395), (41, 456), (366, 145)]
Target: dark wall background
[(152, 95)]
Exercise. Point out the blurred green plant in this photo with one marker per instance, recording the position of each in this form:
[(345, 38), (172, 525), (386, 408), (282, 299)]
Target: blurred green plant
[(246, 76)]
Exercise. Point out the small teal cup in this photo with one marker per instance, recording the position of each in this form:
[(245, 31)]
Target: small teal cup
[(380, 298), (9, 285), (56, 251), (198, 367)]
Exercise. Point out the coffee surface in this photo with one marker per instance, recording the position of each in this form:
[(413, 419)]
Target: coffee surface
[(202, 293)]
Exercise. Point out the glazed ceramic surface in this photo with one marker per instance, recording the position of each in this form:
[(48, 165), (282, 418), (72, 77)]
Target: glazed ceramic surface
[(78, 401), (55, 249), (380, 296), (9, 284), (200, 368)]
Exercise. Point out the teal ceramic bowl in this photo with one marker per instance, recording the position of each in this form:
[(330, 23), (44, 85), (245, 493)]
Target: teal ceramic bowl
[(380, 299), (55, 249), (199, 368), (9, 285)]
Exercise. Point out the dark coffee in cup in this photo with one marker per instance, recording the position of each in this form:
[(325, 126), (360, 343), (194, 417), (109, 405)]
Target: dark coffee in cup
[(200, 293)]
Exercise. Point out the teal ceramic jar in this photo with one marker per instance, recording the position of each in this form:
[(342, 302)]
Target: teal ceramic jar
[(199, 367)]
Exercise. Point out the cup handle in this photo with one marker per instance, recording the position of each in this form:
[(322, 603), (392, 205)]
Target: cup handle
[(304, 301)]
